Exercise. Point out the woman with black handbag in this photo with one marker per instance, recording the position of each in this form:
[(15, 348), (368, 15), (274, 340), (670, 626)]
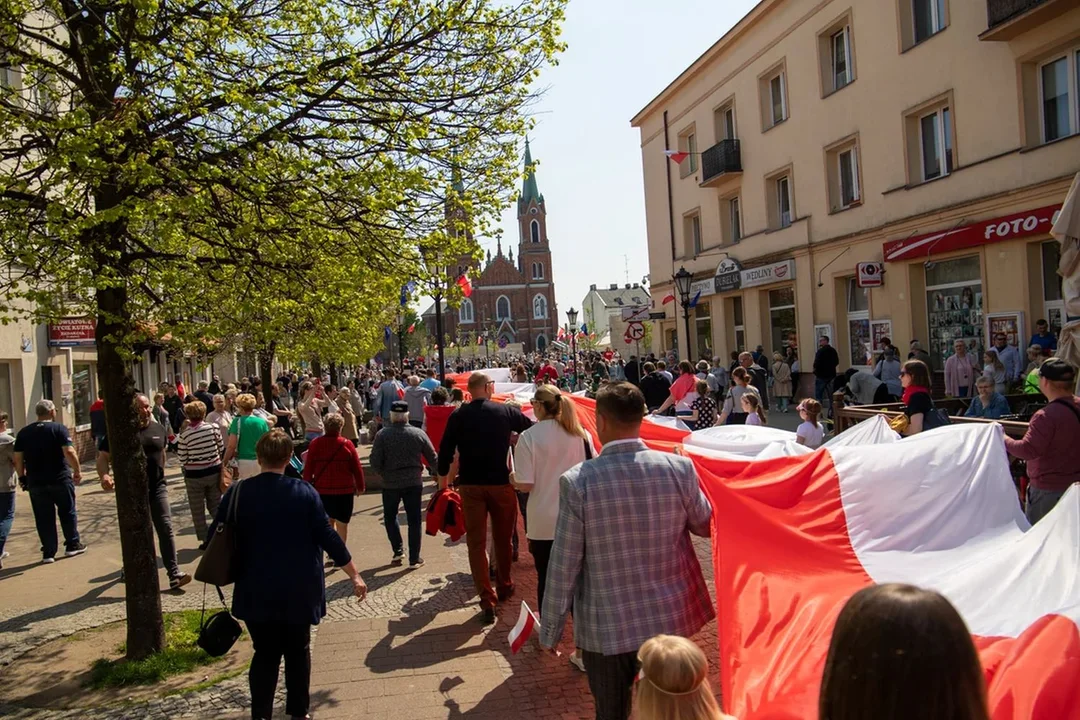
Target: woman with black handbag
[(279, 531), (556, 443)]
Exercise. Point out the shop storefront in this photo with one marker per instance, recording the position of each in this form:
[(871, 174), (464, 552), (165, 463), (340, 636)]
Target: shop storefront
[(781, 318), (969, 282)]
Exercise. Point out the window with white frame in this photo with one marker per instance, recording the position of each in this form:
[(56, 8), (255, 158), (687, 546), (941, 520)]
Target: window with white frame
[(692, 234), (534, 231), (1059, 96), (465, 312), (502, 308), (935, 142), (841, 58), (927, 18), (688, 144), (538, 271), (848, 162), (783, 200), (724, 118), (539, 307), (778, 98)]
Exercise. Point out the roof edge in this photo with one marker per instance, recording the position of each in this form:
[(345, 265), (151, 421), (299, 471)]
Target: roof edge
[(727, 39)]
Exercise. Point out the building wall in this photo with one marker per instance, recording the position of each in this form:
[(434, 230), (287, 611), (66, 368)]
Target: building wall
[(999, 164)]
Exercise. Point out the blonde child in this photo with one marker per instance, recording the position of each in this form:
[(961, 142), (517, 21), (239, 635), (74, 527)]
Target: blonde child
[(810, 433), (994, 370), (674, 682), (751, 405)]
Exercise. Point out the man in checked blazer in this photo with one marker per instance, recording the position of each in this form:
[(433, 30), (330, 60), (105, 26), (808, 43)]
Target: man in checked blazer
[(623, 559)]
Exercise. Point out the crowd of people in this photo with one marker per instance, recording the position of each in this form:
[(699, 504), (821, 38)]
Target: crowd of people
[(283, 468)]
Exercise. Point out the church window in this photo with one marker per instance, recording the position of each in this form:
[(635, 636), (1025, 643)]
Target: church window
[(502, 308), (465, 312), (539, 307), (534, 231), (538, 271)]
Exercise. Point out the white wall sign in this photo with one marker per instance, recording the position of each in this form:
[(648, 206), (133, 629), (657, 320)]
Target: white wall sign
[(765, 274)]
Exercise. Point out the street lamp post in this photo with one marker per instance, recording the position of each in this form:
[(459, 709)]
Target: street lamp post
[(571, 317), (683, 280)]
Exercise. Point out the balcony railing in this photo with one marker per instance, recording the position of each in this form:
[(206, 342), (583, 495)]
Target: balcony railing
[(722, 158), (998, 11)]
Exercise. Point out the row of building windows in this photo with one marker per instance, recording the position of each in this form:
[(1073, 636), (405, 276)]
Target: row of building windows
[(467, 313)]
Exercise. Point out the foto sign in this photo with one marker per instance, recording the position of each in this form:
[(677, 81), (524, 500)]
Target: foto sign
[(1007, 227), (870, 274)]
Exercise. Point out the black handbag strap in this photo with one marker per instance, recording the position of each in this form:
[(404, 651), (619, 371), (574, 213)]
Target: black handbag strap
[(588, 448), (1067, 402)]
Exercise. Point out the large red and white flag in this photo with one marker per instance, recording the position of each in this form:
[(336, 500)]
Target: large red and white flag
[(794, 537), (523, 630)]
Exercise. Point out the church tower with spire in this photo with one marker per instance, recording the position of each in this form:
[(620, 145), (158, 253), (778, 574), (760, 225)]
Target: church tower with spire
[(513, 299)]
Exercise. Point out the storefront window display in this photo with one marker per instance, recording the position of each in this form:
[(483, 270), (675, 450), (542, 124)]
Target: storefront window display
[(82, 392), (858, 313), (954, 303), (702, 331), (1053, 299), (781, 317)]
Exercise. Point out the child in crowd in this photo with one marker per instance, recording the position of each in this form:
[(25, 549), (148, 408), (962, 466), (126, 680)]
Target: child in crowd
[(810, 433), (751, 405), (674, 682), (703, 407), (994, 370)]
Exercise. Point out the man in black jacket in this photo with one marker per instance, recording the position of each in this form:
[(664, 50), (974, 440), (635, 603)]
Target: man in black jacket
[(480, 435), (826, 360), (632, 370), (654, 386)]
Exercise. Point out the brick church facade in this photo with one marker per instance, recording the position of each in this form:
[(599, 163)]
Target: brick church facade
[(512, 300)]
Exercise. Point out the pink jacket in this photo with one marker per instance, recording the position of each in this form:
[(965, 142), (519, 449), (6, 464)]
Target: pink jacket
[(959, 372)]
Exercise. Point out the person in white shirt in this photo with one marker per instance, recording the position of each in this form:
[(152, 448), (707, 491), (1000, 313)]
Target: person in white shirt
[(556, 443), (810, 433)]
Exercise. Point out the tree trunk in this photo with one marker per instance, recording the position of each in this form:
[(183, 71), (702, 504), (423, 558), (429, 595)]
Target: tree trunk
[(145, 631), (334, 375), (316, 369), (266, 372)]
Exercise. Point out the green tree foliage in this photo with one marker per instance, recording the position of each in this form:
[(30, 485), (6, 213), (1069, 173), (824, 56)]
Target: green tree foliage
[(269, 169)]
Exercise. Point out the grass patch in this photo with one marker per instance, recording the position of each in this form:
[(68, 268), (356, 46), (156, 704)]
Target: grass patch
[(211, 682), (180, 655)]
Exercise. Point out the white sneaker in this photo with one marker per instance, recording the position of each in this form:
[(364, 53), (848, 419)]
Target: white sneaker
[(576, 661), (48, 560)]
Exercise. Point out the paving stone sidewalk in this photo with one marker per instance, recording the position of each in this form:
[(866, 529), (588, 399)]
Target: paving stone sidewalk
[(414, 649)]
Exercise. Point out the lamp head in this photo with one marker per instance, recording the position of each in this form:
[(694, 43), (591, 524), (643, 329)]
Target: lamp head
[(683, 280)]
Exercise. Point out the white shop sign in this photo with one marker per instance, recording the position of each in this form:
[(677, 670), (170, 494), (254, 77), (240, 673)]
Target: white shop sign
[(766, 274)]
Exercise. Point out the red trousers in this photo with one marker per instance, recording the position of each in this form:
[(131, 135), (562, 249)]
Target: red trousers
[(501, 503)]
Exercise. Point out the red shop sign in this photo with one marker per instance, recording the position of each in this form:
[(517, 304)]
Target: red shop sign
[(72, 332), (1009, 227)]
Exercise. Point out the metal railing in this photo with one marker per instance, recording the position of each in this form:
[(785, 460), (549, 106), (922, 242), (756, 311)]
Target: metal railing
[(998, 11), (723, 157)]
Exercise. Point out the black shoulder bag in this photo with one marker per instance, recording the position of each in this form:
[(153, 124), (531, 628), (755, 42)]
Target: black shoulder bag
[(218, 567)]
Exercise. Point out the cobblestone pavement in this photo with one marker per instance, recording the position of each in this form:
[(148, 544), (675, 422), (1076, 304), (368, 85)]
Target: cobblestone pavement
[(414, 649)]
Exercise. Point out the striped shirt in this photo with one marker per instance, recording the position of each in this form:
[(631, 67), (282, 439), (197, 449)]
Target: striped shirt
[(200, 448)]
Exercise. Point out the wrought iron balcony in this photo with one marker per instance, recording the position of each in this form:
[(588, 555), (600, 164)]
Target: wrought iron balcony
[(1008, 19), (721, 161)]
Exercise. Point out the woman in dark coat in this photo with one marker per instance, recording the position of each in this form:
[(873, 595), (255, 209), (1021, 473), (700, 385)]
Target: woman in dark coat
[(281, 532)]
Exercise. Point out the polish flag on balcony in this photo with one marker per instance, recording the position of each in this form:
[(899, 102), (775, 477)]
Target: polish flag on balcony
[(523, 630), (677, 155), (670, 297), (795, 537)]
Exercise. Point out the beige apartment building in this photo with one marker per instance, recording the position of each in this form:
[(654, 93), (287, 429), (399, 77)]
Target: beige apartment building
[(863, 169)]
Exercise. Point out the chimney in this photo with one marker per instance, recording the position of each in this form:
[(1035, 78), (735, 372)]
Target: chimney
[(592, 287), (636, 285), (627, 286), (613, 286)]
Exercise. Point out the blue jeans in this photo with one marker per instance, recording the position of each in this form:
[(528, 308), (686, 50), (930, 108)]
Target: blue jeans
[(391, 500), (49, 501), (822, 389), (7, 515)]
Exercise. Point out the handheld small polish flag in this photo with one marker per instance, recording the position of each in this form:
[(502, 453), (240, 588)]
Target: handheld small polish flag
[(465, 284), (411, 328), (523, 630), (677, 156)]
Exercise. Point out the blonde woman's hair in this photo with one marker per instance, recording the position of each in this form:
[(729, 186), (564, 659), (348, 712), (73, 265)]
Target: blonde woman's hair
[(195, 410), (559, 408), (246, 402), (674, 681)]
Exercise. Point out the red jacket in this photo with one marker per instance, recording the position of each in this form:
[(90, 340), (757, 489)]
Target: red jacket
[(548, 373), (333, 466), (445, 514)]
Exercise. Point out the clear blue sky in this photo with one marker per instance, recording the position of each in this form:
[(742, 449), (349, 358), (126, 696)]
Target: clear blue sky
[(620, 55)]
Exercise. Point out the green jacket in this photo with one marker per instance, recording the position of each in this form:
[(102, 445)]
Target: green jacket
[(1031, 383)]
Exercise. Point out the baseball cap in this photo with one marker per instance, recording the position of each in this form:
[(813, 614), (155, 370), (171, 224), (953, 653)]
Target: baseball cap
[(399, 406), (1057, 370)]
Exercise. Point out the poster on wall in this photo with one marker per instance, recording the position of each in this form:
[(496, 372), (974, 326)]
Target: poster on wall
[(1009, 323), (821, 331), (879, 330)]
